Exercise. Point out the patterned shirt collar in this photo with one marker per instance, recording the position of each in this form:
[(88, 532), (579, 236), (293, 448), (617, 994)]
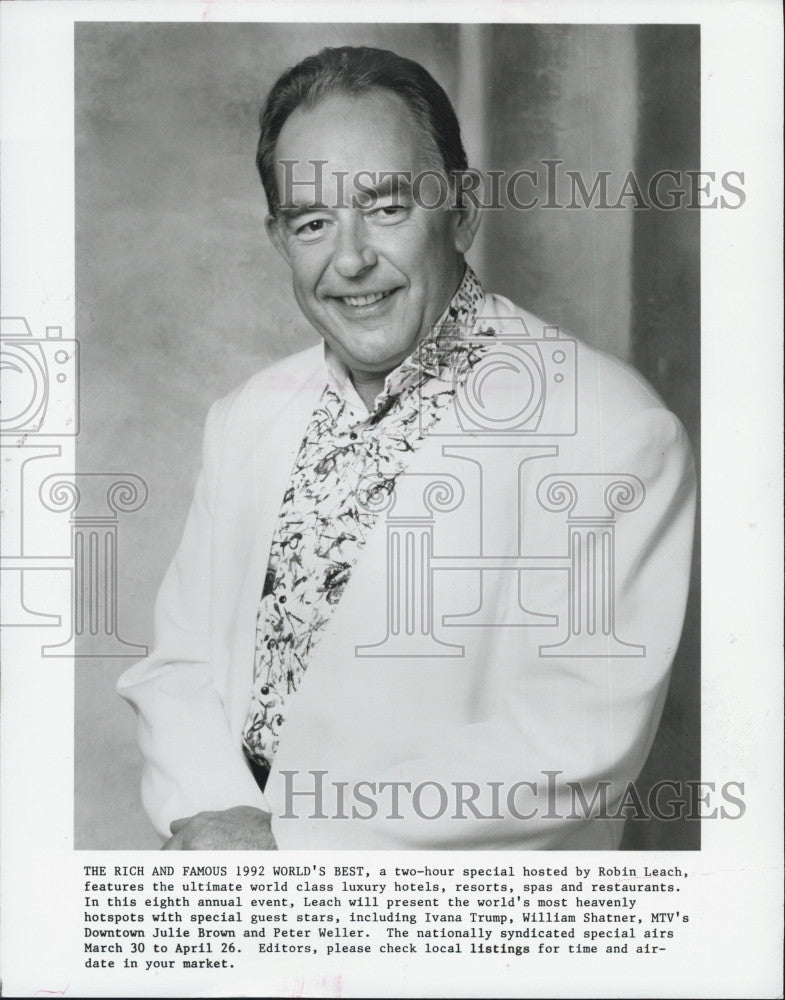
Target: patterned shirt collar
[(429, 358)]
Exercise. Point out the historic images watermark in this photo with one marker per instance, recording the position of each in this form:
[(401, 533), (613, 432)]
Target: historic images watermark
[(550, 185), (549, 797)]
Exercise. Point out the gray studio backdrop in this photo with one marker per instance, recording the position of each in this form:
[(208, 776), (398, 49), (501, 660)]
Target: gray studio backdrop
[(180, 297)]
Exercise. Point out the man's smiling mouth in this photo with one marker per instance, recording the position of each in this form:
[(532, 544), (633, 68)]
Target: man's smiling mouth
[(369, 299)]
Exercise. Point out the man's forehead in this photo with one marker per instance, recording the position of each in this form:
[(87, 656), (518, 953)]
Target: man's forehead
[(373, 132)]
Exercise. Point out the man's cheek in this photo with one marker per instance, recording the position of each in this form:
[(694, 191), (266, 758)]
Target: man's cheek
[(306, 300)]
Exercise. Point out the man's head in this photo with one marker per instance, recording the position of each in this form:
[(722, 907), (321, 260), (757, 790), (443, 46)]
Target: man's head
[(345, 136)]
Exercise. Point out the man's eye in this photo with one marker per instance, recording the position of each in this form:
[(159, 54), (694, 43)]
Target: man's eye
[(310, 229), (389, 212)]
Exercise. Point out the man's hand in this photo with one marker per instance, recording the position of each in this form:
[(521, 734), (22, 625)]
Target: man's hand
[(242, 828)]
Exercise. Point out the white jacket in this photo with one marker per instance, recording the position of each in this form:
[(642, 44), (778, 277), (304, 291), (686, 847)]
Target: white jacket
[(499, 711)]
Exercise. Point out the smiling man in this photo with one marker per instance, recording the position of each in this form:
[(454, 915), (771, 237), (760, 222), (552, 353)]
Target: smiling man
[(374, 270), (471, 675)]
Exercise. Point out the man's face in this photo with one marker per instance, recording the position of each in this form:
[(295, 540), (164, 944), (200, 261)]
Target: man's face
[(371, 280)]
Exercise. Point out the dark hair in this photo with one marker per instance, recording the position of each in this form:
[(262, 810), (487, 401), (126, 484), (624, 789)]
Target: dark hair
[(356, 70)]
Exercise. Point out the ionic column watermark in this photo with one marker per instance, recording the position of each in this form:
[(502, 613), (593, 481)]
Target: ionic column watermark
[(95, 501)]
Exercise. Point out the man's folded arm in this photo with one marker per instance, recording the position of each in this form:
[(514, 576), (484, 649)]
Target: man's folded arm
[(191, 763)]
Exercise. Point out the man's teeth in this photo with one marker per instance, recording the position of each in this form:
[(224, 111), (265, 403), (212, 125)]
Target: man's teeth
[(364, 300)]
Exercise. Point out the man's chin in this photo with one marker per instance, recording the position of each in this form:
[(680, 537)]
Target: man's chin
[(376, 363), (374, 358)]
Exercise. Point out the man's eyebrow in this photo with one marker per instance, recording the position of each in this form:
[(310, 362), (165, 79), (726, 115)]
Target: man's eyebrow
[(394, 183), (290, 211), (391, 183)]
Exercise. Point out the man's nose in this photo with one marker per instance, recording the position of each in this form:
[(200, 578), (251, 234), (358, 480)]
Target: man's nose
[(353, 254)]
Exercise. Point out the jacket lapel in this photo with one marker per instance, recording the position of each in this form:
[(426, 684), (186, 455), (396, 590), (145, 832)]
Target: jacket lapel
[(263, 442)]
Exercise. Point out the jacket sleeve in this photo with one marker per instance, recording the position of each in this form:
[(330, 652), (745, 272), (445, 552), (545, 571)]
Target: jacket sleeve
[(191, 763), (562, 722)]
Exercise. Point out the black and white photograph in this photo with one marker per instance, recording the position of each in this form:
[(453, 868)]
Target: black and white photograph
[(306, 586), (381, 485)]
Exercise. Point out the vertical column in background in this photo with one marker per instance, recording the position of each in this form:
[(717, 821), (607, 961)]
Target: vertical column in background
[(666, 349), (474, 58), (564, 93)]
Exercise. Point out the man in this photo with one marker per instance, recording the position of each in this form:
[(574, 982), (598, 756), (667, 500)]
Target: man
[(434, 573)]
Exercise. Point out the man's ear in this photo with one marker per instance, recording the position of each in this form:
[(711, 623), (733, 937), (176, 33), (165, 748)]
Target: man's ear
[(467, 209), (273, 226)]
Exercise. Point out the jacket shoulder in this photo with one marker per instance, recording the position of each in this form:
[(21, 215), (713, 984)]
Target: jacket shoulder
[(603, 382)]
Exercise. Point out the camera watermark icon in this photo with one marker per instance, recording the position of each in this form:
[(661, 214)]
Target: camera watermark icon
[(518, 384), (40, 380), (40, 393)]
